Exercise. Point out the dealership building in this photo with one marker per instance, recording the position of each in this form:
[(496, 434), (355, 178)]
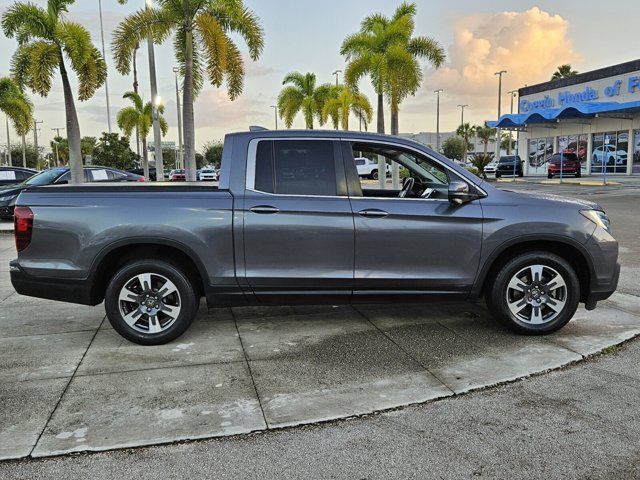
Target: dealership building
[(595, 115)]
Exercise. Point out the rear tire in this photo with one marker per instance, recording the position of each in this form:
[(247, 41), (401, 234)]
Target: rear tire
[(150, 302), (534, 293), (374, 175)]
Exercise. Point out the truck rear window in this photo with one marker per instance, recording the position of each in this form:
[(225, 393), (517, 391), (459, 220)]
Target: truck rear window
[(296, 167)]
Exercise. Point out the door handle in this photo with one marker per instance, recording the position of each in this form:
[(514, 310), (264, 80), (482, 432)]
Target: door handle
[(373, 213), (264, 209)]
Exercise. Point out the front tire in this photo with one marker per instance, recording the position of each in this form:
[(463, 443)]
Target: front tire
[(150, 302), (374, 175), (549, 175), (534, 293)]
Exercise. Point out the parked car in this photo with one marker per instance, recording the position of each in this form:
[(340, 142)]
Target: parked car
[(491, 167), (178, 175), (140, 171), (508, 164), (291, 222), (59, 176), (568, 163), (611, 157), (12, 175), (369, 168), (208, 175)]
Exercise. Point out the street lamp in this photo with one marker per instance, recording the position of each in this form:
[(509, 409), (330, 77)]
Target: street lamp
[(104, 57), (9, 159), (157, 133), (438, 92), (462, 107), (275, 108), (337, 74), (499, 74), (512, 95), (176, 70)]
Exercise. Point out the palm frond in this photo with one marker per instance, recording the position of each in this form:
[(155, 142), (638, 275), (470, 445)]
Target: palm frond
[(289, 104), (128, 119), (214, 45), (91, 75), (43, 61), (164, 126), (234, 71), (56, 8), (179, 46), (20, 65), (405, 9), (429, 48), (235, 17), (373, 21), (76, 42), (26, 21), (136, 99)]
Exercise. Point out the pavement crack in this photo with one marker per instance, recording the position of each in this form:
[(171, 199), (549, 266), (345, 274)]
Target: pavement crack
[(246, 360), (66, 387), (403, 350)]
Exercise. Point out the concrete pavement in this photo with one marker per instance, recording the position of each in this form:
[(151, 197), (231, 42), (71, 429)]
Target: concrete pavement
[(71, 384)]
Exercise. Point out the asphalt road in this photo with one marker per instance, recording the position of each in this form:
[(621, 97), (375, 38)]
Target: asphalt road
[(579, 422)]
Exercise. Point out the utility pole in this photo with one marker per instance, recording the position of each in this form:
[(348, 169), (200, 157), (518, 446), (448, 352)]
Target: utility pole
[(438, 92), (512, 95), (499, 74), (155, 102), (35, 139), (9, 159), (55, 142), (176, 70), (275, 109), (462, 107), (337, 74), (104, 56)]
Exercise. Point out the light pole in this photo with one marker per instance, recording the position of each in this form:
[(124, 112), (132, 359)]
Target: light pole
[(499, 74), (337, 74), (35, 139), (155, 102), (462, 107), (9, 159), (438, 92), (275, 114), (512, 95), (104, 57), (176, 70)]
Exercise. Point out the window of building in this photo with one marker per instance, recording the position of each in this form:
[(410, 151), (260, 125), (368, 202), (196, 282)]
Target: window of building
[(610, 152), (296, 167), (636, 152), (540, 151), (574, 144)]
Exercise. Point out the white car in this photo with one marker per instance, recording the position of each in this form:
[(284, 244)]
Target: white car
[(491, 167), (613, 156), (369, 168), (208, 175)]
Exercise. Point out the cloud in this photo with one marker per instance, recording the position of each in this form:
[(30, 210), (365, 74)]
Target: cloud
[(529, 45)]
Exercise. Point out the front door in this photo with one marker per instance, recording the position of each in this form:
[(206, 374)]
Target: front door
[(412, 242), (298, 226)]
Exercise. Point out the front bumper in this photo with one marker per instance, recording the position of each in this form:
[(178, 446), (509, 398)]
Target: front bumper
[(600, 290), (61, 289)]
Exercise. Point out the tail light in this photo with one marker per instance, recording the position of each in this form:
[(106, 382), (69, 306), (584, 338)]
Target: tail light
[(23, 226), (141, 179)]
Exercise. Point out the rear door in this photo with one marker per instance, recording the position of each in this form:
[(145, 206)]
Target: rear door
[(298, 226)]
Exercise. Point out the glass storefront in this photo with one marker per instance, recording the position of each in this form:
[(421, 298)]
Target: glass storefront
[(636, 152), (540, 151), (575, 144), (610, 152)]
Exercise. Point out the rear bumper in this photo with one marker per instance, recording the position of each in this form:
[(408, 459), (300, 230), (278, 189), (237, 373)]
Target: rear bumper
[(60, 289)]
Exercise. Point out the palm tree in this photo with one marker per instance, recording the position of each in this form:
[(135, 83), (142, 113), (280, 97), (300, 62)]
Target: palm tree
[(17, 107), (302, 95), (343, 103), (563, 71), (202, 45), (139, 117), (465, 132), (385, 50), (486, 135), (47, 42)]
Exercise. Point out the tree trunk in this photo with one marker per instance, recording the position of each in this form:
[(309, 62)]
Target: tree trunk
[(135, 89), (382, 164), (24, 152), (187, 112), (395, 168), (145, 162), (73, 128)]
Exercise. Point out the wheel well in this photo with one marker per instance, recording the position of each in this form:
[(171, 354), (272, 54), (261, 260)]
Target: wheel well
[(120, 256), (568, 252)]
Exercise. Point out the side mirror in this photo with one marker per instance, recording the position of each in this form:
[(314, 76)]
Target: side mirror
[(459, 193)]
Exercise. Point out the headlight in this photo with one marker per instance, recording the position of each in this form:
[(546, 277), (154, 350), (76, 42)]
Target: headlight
[(8, 197), (598, 217)]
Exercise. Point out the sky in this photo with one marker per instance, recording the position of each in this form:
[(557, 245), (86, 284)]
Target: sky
[(528, 39)]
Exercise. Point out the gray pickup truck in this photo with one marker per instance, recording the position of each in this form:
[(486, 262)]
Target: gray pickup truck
[(293, 222)]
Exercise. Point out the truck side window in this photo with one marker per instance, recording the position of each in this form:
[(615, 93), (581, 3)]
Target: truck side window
[(296, 167)]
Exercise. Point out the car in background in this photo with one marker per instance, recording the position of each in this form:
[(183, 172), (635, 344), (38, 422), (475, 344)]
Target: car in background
[(140, 171), (568, 163), (369, 168), (11, 175), (178, 175), (491, 167), (59, 176), (611, 157), (509, 164), (208, 175)]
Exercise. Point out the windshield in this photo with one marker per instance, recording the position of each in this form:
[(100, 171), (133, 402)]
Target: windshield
[(507, 159), (565, 157), (46, 178)]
